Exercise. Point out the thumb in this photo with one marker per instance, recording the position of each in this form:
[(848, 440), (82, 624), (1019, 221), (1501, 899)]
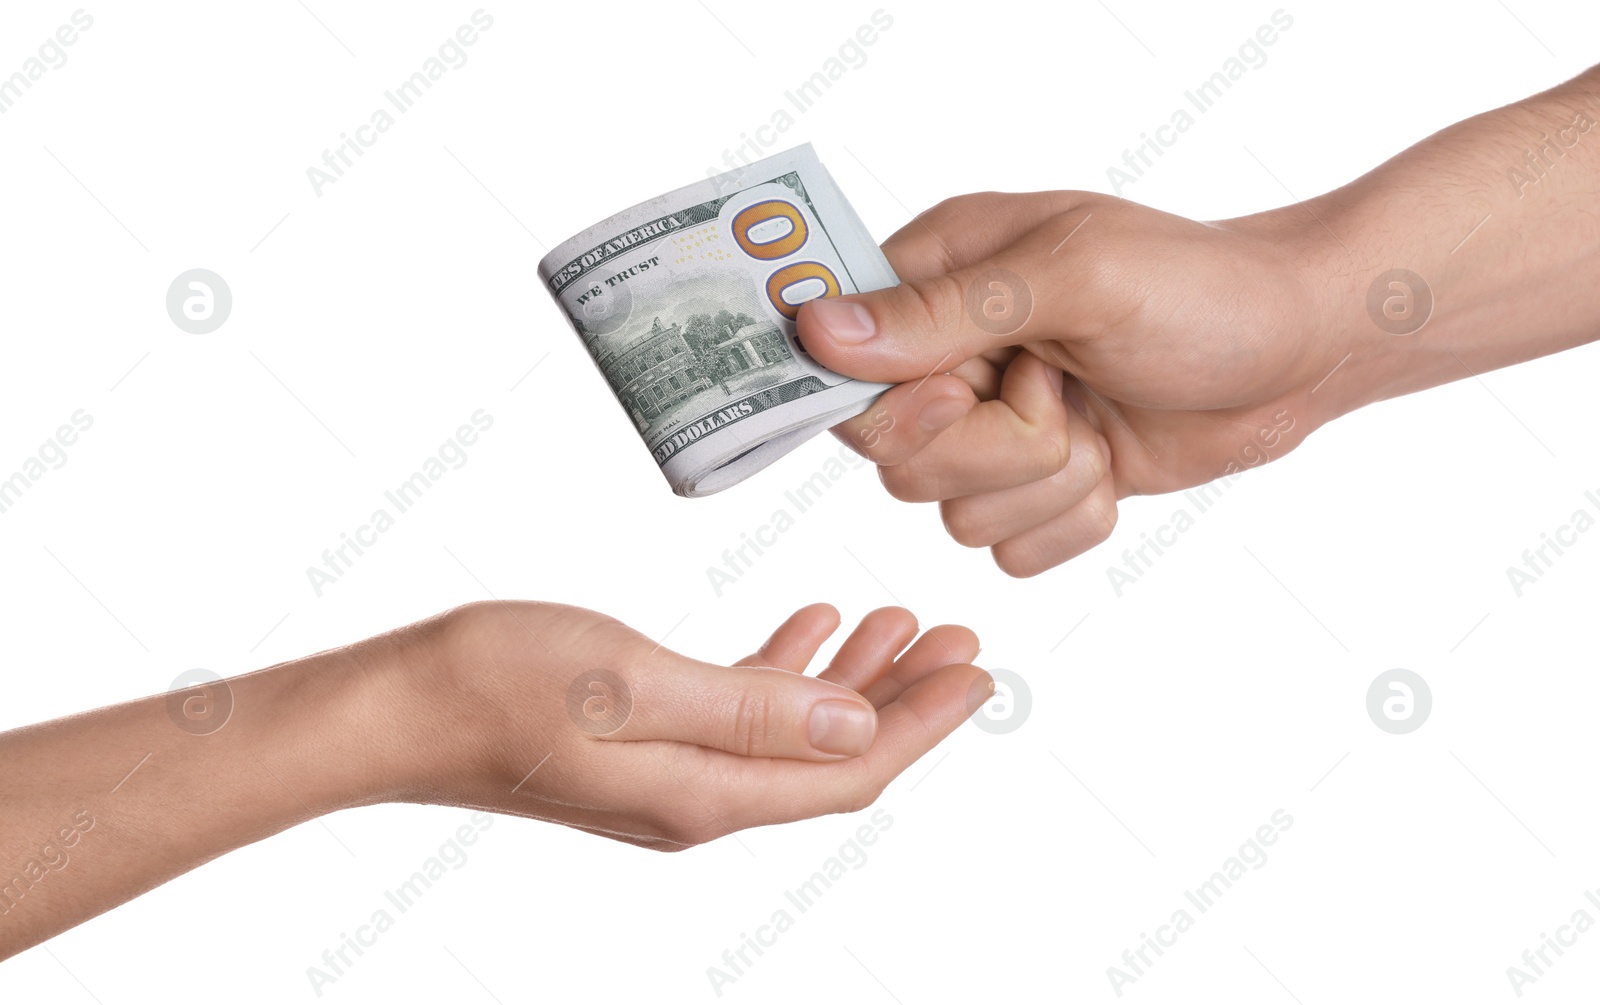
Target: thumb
[(924, 326), (750, 711)]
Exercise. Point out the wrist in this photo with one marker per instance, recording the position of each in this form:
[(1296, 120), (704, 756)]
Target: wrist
[(336, 726), (1305, 264), (1355, 358), (440, 706)]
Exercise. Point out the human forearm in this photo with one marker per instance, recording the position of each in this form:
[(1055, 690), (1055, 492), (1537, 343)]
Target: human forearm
[(160, 798), (537, 710), (1500, 217)]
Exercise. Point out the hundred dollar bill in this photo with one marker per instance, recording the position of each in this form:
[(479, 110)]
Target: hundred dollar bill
[(687, 304)]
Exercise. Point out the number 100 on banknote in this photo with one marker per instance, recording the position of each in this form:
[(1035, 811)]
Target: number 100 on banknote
[(687, 304)]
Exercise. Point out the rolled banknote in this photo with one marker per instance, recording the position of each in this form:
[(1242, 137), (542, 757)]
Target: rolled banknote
[(687, 304)]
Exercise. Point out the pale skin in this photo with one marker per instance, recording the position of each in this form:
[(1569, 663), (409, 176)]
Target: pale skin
[(471, 708), (1160, 351)]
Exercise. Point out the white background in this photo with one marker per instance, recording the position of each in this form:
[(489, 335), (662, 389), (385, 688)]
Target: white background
[(1172, 722)]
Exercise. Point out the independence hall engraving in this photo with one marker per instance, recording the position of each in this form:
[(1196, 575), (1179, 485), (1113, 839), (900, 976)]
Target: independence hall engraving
[(667, 366)]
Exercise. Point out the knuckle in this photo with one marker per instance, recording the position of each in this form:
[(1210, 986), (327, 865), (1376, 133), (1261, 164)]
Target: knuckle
[(688, 835), (1114, 295), (965, 524), (752, 730), (860, 793), (1051, 449), (950, 214), (871, 434), (665, 846), (1017, 561), (1100, 516), (679, 828), (933, 304), (467, 630), (905, 483), (469, 616), (1066, 222), (1092, 462), (947, 207), (704, 831)]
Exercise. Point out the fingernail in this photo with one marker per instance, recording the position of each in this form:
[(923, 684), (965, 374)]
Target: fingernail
[(939, 414), (842, 727), (845, 322), (981, 691)]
